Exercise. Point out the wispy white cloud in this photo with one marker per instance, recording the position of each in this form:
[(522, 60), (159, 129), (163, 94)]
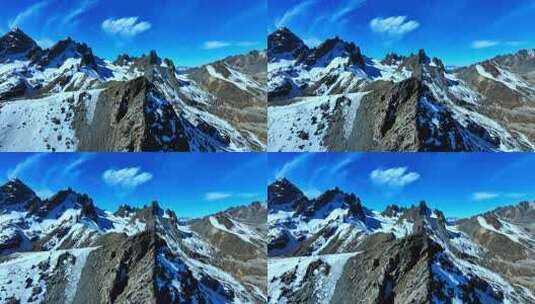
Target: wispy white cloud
[(72, 169), (482, 196), (395, 25), (221, 195), (291, 165), (293, 12), (215, 44), (485, 195), (216, 196), (344, 162), (346, 8), (219, 44), (27, 13), (482, 44), (79, 9), (393, 177), (24, 165), (126, 177), (125, 27)]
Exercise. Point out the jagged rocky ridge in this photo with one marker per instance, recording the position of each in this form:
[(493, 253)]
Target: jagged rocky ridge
[(332, 97), (332, 249), (66, 250), (65, 98)]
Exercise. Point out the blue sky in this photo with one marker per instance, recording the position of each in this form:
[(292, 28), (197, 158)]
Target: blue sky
[(459, 31), (190, 32), (192, 184), (459, 184)]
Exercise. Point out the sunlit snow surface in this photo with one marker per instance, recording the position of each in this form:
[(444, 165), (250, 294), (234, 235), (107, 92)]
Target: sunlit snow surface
[(44, 121), (303, 124), (44, 124), (324, 284), (20, 267)]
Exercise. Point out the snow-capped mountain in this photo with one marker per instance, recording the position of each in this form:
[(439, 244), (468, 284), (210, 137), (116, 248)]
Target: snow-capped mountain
[(66, 250), (65, 98), (332, 249), (333, 98)]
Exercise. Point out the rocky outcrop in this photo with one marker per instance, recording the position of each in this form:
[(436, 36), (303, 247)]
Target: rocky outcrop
[(17, 43), (129, 117), (138, 255), (411, 103), (121, 270), (173, 109), (15, 195), (389, 272), (283, 191), (284, 42)]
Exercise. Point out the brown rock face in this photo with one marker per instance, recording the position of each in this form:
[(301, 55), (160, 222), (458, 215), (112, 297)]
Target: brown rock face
[(284, 41), (388, 272), (17, 42), (121, 271), (387, 118), (126, 120)]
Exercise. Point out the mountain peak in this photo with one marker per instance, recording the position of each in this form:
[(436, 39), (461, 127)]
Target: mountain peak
[(283, 42), (67, 48), (16, 42), (336, 47), (154, 58), (15, 185), (391, 58), (122, 59), (282, 191), (392, 210)]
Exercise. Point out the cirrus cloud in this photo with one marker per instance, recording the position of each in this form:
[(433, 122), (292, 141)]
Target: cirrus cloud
[(393, 177), (486, 195), (395, 25), (28, 13), (482, 44), (215, 44), (126, 177), (483, 196), (219, 195), (219, 44), (293, 12), (216, 196), (126, 27)]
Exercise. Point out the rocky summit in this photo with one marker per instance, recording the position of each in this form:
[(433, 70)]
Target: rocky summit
[(334, 98), (66, 98), (67, 250), (332, 249)]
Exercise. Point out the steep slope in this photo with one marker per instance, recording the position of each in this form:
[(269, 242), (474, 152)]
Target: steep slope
[(334, 98), (65, 250), (334, 250), (65, 97)]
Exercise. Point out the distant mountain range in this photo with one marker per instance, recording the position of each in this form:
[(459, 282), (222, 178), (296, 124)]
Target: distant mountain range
[(334, 98), (65, 98), (332, 249), (66, 250)]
